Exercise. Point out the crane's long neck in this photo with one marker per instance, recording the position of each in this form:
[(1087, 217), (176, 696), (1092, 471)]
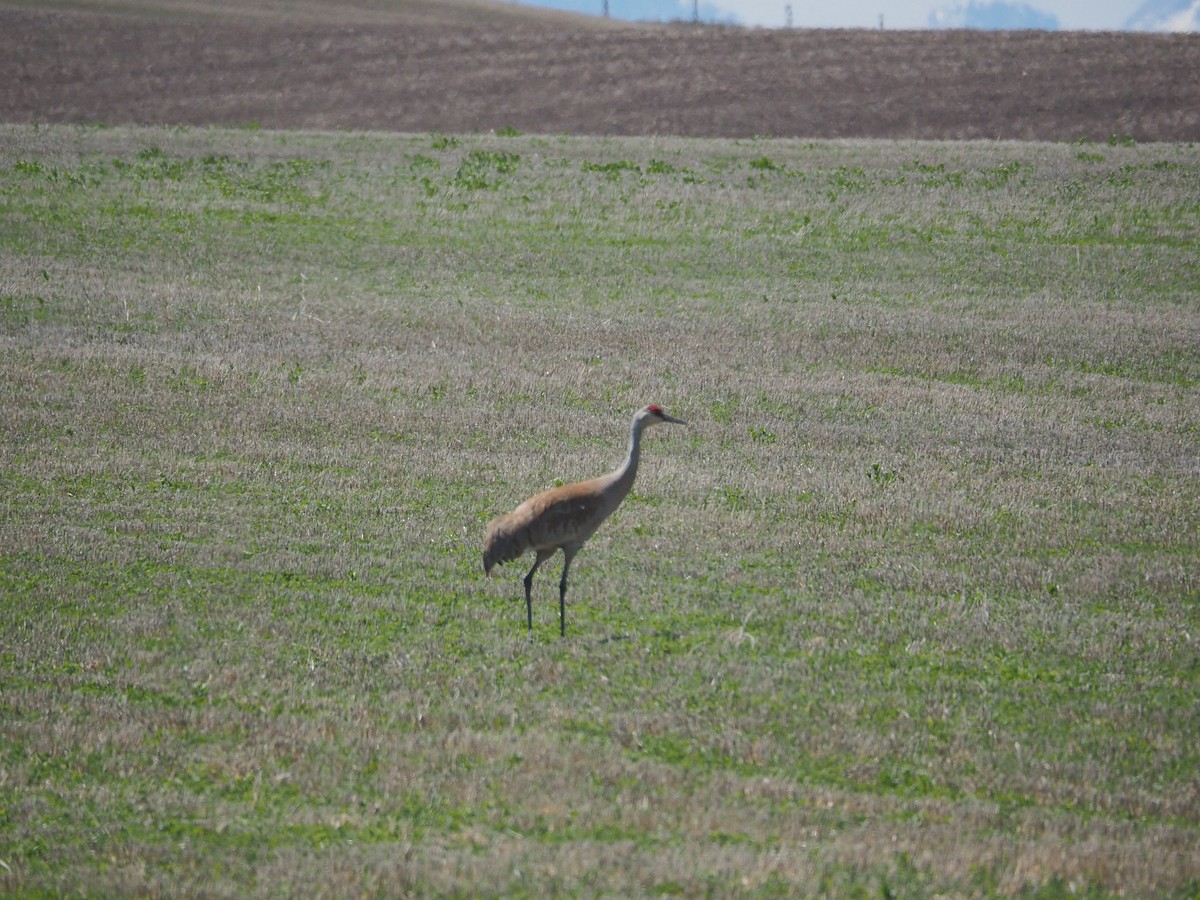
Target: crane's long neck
[(622, 478)]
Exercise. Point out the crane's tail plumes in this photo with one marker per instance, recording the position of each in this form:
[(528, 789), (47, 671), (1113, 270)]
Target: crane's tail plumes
[(503, 543)]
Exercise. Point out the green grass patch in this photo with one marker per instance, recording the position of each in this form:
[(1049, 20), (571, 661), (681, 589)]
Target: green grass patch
[(909, 608)]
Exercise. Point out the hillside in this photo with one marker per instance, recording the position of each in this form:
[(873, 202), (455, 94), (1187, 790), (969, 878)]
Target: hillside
[(475, 65)]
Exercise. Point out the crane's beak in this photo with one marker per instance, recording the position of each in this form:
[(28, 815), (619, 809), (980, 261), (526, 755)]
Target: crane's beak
[(673, 420)]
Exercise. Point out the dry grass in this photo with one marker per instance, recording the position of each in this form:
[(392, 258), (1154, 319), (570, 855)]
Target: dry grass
[(909, 608)]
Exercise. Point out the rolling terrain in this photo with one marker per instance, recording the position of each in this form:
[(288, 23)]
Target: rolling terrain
[(473, 65), (294, 299)]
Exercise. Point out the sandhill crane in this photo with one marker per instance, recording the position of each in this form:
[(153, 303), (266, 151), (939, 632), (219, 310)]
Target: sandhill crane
[(563, 518)]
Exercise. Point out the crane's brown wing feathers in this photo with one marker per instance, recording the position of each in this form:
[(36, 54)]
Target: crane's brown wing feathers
[(552, 519), (504, 542), (564, 515)]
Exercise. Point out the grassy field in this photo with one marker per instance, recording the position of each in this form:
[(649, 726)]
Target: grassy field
[(912, 605)]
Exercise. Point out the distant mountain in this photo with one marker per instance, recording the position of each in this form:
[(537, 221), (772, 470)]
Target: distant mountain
[(996, 15), (1166, 15)]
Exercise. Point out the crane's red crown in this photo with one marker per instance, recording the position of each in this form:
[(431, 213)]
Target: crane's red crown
[(655, 408)]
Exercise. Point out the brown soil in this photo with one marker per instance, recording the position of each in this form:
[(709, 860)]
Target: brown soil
[(472, 65)]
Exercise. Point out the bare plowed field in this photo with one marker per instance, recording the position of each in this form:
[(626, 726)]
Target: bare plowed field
[(405, 68)]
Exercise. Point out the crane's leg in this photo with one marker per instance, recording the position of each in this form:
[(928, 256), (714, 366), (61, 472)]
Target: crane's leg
[(529, 598), (562, 591), (542, 556)]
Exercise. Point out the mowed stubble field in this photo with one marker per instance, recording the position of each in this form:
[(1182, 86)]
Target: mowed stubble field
[(909, 607)]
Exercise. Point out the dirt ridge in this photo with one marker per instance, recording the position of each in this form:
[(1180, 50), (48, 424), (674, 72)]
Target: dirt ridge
[(357, 69)]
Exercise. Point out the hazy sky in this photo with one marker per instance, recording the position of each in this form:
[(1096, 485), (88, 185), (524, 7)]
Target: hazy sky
[(1072, 14)]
